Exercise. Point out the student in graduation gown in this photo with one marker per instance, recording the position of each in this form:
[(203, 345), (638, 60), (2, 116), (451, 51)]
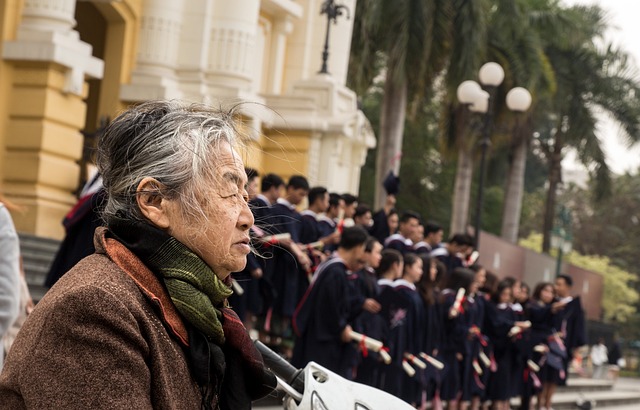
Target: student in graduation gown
[(365, 284), (428, 290), (543, 315), (391, 319), (401, 241), (328, 221), (500, 320), (290, 266), (571, 319), (322, 319), (456, 331), (310, 232), (271, 186), (414, 329), (476, 372)]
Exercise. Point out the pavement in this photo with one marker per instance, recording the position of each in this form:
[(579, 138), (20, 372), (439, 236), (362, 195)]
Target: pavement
[(624, 394)]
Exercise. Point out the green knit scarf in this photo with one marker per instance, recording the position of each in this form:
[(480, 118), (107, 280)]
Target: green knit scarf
[(194, 288)]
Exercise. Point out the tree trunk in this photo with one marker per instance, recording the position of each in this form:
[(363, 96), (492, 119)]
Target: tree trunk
[(555, 177), (461, 192), (514, 189), (392, 116)]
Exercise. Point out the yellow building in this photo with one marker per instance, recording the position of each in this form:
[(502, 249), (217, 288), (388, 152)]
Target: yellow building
[(67, 66)]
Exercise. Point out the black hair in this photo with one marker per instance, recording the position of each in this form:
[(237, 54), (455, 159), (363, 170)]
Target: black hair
[(334, 200), (431, 227), (410, 259), (315, 193), (298, 182), (537, 291), (568, 280), (349, 199), (426, 286), (406, 215), (506, 283), (251, 173), (462, 239), (352, 237), (361, 210), (459, 278), (269, 181), (490, 283), (371, 241), (389, 257)]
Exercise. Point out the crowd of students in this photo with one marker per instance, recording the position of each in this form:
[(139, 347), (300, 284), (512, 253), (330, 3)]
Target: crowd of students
[(323, 280)]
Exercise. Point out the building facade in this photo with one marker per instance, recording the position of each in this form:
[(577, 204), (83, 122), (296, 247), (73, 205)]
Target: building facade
[(69, 66)]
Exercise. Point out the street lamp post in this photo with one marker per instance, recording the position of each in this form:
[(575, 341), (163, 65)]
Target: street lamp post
[(561, 237), (333, 11), (480, 101)]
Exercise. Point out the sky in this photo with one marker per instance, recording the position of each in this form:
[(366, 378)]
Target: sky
[(622, 16)]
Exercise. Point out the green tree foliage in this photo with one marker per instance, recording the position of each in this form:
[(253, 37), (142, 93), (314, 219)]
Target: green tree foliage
[(620, 297)]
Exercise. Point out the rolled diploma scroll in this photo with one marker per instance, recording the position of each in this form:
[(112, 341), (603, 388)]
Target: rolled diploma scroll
[(415, 361), (433, 361), (410, 371)]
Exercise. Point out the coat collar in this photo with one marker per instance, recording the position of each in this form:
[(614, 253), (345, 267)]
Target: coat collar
[(148, 283)]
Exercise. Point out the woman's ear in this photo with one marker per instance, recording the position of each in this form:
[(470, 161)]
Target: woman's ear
[(152, 203)]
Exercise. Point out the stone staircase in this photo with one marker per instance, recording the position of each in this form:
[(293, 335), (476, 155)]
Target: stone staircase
[(624, 394), (37, 255)]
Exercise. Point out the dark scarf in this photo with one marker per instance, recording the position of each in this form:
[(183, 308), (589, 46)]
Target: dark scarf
[(223, 360)]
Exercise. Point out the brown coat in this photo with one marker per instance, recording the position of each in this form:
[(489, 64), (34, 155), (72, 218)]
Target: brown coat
[(104, 337)]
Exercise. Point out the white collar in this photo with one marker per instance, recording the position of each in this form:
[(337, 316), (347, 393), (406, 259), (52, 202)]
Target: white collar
[(403, 282), (385, 282), (286, 203), (310, 213), (263, 199)]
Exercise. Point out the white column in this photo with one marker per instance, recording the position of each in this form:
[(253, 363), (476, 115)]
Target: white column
[(154, 76), (48, 15), (46, 34), (232, 40), (193, 49), (282, 28)]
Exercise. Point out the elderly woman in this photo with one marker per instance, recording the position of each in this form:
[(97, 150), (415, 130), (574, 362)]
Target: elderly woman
[(143, 323)]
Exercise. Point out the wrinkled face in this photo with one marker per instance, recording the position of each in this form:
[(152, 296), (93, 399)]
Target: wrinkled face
[(546, 294), (393, 222), (223, 241), (374, 256), (413, 272)]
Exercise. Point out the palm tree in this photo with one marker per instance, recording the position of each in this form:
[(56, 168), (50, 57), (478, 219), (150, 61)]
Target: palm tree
[(518, 40), (406, 40), (588, 78)]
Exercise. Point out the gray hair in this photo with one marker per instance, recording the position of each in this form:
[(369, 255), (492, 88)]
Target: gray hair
[(170, 141)]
